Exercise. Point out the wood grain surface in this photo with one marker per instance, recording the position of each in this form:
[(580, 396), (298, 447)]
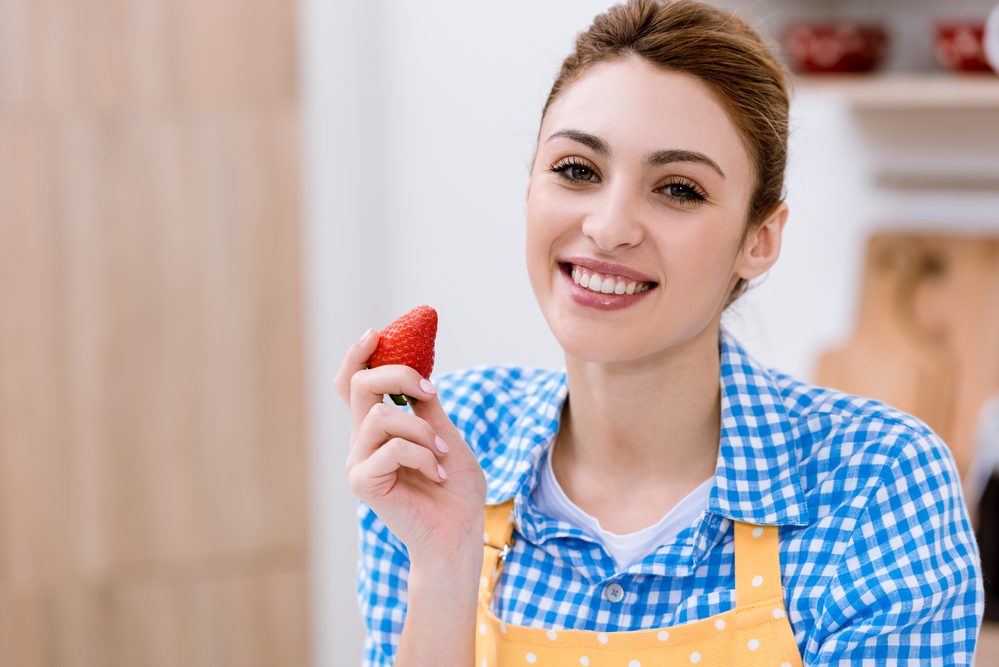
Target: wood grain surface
[(152, 444), (926, 339)]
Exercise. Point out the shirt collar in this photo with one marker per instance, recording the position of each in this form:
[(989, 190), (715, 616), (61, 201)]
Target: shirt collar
[(756, 475)]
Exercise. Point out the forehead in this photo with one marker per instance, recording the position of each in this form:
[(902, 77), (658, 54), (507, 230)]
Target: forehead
[(637, 107)]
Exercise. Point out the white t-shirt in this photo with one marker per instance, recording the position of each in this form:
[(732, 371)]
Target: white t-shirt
[(625, 549)]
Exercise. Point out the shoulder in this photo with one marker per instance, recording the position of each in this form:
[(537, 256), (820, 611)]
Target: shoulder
[(485, 401), (832, 428), (864, 464), (505, 414), (817, 450)]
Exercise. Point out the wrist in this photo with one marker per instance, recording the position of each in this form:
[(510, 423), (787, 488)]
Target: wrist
[(460, 549), (463, 563)]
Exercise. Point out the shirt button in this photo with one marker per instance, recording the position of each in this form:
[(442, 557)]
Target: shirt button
[(613, 593)]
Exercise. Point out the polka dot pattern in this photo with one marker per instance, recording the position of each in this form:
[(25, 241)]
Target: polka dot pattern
[(700, 642), (701, 647)]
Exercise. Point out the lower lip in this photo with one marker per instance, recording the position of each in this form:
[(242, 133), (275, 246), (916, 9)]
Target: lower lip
[(598, 300)]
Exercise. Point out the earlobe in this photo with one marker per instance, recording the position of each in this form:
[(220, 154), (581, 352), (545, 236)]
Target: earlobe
[(762, 247)]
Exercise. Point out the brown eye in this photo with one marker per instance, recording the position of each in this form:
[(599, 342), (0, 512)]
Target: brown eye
[(575, 172), (684, 192)]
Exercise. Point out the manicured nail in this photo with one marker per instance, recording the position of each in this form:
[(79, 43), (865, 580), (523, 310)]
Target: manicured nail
[(427, 387), (441, 445), (440, 471), (365, 336)]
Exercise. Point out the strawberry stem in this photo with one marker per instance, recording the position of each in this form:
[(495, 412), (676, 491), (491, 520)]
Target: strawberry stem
[(402, 399)]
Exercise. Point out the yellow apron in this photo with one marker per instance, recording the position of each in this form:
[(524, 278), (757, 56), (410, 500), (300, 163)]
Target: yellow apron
[(755, 632)]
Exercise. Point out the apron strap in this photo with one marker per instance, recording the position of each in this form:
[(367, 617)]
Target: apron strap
[(497, 540), (757, 555), (757, 564)]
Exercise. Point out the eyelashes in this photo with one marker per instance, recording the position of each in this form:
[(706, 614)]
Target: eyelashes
[(678, 189), (681, 188), (574, 170)]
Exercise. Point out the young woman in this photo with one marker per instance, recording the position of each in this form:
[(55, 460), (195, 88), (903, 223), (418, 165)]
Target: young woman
[(664, 499)]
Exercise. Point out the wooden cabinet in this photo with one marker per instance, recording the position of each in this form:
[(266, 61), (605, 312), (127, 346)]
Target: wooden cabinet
[(152, 435)]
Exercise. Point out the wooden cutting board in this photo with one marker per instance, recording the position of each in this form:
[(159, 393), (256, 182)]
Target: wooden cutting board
[(926, 339)]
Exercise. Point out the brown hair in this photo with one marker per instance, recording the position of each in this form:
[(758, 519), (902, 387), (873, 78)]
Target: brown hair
[(720, 50)]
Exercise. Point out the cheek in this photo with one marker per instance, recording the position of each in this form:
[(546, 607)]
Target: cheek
[(546, 221), (699, 259)]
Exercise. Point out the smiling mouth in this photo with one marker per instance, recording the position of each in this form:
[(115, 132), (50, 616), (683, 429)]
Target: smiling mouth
[(600, 283)]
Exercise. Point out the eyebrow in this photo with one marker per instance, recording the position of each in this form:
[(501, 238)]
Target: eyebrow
[(654, 159)]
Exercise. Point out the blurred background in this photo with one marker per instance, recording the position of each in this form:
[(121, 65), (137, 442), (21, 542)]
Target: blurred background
[(203, 203)]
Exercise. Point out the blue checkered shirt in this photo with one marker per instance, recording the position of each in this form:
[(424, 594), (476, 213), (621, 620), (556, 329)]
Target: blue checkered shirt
[(880, 564)]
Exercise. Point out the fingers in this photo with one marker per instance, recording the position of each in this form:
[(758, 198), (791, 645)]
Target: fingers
[(384, 422), (432, 412), (369, 387), (355, 360), (386, 461)]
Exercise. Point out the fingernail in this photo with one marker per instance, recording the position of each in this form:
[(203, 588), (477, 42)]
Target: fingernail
[(427, 387), (365, 336), (440, 471), (441, 445)]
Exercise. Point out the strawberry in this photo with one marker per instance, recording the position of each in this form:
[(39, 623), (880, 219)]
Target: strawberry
[(409, 341)]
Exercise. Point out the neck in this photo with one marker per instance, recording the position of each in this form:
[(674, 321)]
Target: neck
[(651, 425)]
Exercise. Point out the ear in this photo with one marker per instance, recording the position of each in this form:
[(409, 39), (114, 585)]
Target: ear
[(762, 245)]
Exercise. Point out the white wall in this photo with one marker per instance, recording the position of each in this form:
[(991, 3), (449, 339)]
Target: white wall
[(420, 122)]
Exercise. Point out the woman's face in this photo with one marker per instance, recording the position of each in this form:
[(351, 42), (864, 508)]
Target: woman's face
[(640, 184)]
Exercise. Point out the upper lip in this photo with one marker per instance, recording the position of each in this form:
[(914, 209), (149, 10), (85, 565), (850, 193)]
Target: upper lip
[(609, 268)]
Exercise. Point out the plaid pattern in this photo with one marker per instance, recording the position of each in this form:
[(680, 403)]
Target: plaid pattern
[(880, 564)]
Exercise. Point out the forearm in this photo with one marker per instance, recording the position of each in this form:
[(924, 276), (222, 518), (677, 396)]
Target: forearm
[(439, 630)]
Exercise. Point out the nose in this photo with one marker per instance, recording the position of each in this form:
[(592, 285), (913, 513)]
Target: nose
[(614, 223)]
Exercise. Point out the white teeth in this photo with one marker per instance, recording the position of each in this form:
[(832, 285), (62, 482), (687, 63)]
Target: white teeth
[(606, 284)]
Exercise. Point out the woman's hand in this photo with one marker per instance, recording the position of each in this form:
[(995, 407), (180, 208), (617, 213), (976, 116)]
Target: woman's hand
[(394, 458)]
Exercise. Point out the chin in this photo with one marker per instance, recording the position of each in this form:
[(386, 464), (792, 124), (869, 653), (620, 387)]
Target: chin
[(590, 345)]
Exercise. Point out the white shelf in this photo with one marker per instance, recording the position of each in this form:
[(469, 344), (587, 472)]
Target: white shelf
[(893, 92)]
